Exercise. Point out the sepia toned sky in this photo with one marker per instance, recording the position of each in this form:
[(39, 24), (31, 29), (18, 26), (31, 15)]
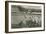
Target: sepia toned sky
[(28, 7), (32, 7)]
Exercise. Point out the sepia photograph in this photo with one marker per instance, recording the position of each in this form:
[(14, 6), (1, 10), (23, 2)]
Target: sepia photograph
[(25, 16)]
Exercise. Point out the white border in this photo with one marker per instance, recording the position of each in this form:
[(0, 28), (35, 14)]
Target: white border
[(25, 29)]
